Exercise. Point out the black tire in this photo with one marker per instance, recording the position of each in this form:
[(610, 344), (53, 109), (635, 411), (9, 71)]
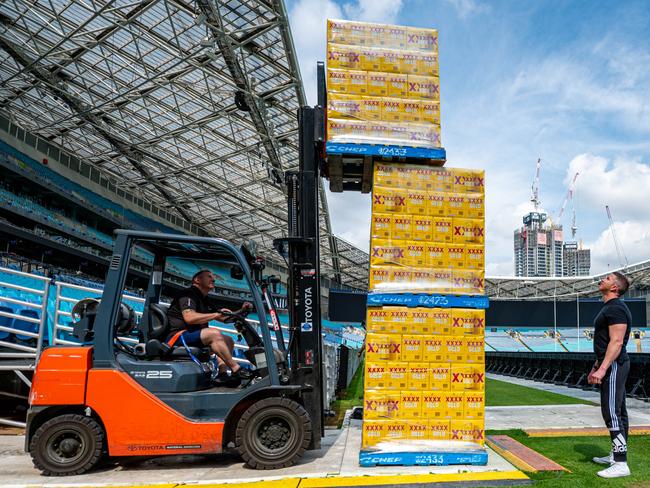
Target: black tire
[(67, 445), (273, 433)]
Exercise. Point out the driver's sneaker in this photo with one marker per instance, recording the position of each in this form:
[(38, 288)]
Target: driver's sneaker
[(616, 470), (244, 374), (607, 460)]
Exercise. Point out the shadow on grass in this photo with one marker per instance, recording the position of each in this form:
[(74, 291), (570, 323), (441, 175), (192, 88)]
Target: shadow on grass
[(588, 451)]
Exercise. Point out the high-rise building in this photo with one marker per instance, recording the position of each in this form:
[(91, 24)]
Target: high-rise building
[(576, 260), (538, 247)]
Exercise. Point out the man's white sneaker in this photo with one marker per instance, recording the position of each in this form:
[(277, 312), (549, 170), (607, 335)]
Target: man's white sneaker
[(616, 470), (608, 460)]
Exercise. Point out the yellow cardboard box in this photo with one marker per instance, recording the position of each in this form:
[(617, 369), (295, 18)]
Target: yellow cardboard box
[(399, 319), (474, 405), (475, 256), (412, 347), (379, 277), (373, 432), (469, 180), (423, 229), (468, 231), (440, 374), (416, 202), (378, 347), (443, 229), (378, 320), (413, 112), (411, 404), (441, 321), (423, 87), (436, 255), (392, 110), (357, 82), (397, 375), (388, 200), (346, 130), (371, 59), (428, 64), (402, 227), (433, 406), (338, 81), (468, 431), (420, 320), (378, 84), (456, 255), (344, 106), (391, 60), (453, 403), (397, 87), (437, 204), (380, 227), (400, 278), (430, 111), (422, 280), (434, 349), (462, 321), (376, 376), (395, 430), (418, 376), (465, 377), (411, 63), (442, 280), (340, 56), (381, 404), (384, 175), (468, 282), (416, 255), (457, 204), (370, 110), (389, 252), (475, 349), (456, 349), (417, 429), (421, 39), (475, 205), (443, 178), (439, 430)]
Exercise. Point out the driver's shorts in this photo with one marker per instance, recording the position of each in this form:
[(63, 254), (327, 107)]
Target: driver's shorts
[(192, 338)]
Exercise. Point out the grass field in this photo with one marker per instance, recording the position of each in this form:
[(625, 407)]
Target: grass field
[(501, 393), (575, 453)]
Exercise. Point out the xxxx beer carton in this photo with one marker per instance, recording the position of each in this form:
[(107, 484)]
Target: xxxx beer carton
[(468, 231), (475, 256), (421, 39), (397, 87), (378, 84), (398, 375), (416, 255), (418, 376), (388, 252), (467, 377), (437, 255), (423, 87), (411, 404), (475, 349), (422, 280), (383, 347), (381, 225), (469, 180), (416, 202), (400, 279), (395, 430), (378, 320), (441, 320), (376, 376), (434, 349), (385, 175), (381, 404), (474, 405), (417, 429), (370, 109), (468, 282), (388, 200), (456, 349), (453, 404), (475, 205), (402, 227), (373, 432), (433, 406), (437, 204), (358, 82), (413, 112), (337, 81), (423, 229), (440, 376), (456, 256), (378, 277), (467, 431), (420, 321), (439, 430), (399, 319), (457, 205), (344, 107), (441, 280), (412, 347), (371, 59), (443, 229), (442, 178), (463, 321)]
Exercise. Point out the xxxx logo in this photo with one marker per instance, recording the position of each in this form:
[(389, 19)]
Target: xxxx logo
[(441, 315), (423, 223), (382, 220), (397, 369), (396, 428), (456, 200), (419, 371), (371, 104), (438, 427), (376, 370), (378, 313), (436, 251), (391, 105), (403, 275), (458, 377), (338, 76), (443, 225), (454, 343), (372, 427), (442, 275), (417, 427), (440, 371), (399, 315), (456, 251), (453, 400), (378, 348), (379, 273), (475, 345), (436, 198), (416, 248), (402, 221), (474, 399), (432, 343), (412, 342), (416, 196), (420, 315), (433, 399), (475, 252)]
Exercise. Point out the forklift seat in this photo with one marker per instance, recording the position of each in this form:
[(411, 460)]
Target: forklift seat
[(158, 332)]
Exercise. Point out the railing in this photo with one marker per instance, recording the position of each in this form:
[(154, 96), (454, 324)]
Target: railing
[(30, 342)]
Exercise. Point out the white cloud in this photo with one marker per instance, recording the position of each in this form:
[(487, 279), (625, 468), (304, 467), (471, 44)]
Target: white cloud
[(633, 236), (384, 11), (466, 8)]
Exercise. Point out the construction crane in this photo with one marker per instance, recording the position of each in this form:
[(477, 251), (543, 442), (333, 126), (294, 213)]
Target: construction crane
[(569, 196), (535, 186), (622, 259)]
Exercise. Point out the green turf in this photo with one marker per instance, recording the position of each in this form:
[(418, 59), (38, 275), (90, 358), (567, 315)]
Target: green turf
[(575, 453), (501, 393), (352, 397)]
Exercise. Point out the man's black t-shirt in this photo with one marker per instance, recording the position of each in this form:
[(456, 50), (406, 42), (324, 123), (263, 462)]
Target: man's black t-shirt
[(189, 299), (614, 311)]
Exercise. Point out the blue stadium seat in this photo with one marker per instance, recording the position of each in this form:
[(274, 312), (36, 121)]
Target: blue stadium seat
[(25, 325), (5, 321)]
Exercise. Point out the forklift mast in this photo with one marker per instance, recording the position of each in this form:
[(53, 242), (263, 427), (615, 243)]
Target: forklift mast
[(304, 295)]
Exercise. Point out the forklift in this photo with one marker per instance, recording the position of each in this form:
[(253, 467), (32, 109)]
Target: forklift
[(106, 398)]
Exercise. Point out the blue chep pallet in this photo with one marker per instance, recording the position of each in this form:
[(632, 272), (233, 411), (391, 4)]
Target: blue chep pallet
[(348, 149), (368, 458), (424, 300)]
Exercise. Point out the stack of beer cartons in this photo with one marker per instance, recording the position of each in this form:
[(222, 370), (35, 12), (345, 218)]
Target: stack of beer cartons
[(382, 84), (425, 366)]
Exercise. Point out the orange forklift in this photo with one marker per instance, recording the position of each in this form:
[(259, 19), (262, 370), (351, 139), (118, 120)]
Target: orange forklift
[(112, 397)]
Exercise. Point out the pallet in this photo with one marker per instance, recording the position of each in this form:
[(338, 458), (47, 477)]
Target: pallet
[(349, 166), (427, 300), (369, 458)]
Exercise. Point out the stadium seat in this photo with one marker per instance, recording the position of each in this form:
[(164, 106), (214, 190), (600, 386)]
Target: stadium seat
[(5, 321), (25, 325)]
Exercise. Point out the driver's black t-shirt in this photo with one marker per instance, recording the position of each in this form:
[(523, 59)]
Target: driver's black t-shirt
[(614, 311), (189, 299)]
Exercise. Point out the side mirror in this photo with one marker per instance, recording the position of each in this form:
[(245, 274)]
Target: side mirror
[(236, 272)]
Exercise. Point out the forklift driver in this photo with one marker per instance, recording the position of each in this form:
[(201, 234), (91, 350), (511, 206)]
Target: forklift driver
[(188, 316)]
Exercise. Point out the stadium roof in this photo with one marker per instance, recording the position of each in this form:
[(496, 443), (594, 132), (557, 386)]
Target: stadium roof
[(151, 92), (524, 288)]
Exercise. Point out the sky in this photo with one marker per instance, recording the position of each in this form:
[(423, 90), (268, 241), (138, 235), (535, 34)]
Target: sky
[(564, 81)]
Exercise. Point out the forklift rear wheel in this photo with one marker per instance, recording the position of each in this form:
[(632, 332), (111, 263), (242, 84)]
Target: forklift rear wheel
[(67, 444), (273, 433)]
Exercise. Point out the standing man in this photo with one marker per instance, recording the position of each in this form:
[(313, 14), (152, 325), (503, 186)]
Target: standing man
[(612, 330)]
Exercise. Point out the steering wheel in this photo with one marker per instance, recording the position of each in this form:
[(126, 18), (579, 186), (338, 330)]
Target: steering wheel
[(249, 333), (232, 317)]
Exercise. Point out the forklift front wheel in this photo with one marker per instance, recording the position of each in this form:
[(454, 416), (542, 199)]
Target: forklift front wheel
[(273, 433), (67, 444)]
